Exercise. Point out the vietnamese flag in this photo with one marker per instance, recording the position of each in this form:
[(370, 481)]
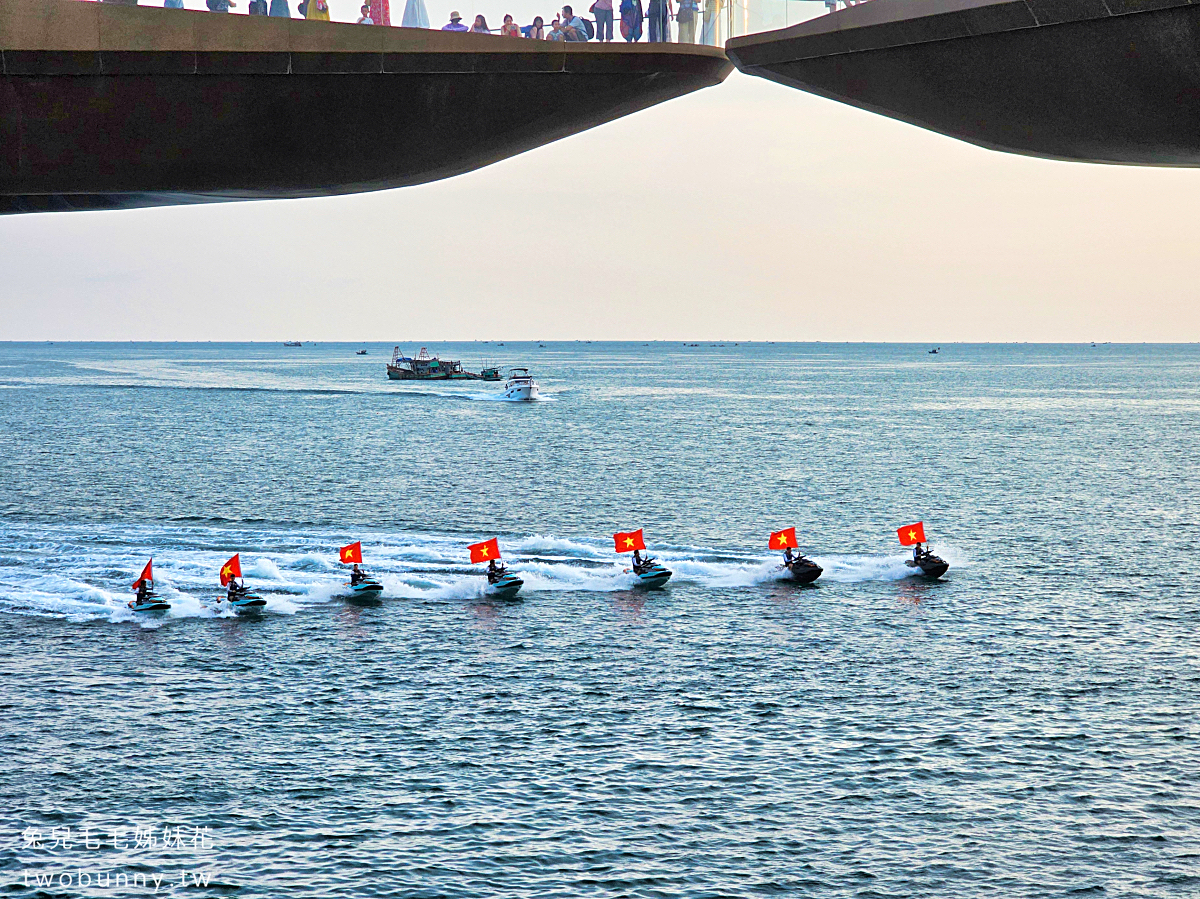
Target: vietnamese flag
[(147, 574), (911, 533), (485, 551), (627, 543), (351, 554), (785, 539), (231, 569)]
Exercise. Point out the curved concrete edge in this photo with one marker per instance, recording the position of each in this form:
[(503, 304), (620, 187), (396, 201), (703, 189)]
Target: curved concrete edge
[(1104, 81)]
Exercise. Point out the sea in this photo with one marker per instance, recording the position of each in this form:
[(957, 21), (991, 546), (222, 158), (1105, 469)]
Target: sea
[(1027, 726)]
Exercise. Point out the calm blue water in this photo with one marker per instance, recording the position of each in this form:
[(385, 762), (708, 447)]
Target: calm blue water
[(1028, 727)]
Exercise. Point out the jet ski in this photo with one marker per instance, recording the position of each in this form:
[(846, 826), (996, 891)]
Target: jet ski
[(367, 588), (503, 584), (802, 570), (150, 602), (933, 567), (247, 600), (651, 574)]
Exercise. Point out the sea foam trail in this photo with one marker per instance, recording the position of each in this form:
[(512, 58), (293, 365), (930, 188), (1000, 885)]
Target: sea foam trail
[(85, 574)]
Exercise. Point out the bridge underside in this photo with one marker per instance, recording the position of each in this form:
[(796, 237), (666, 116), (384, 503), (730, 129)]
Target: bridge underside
[(1115, 81), (169, 106)]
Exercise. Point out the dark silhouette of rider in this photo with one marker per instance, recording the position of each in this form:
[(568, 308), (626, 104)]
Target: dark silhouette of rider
[(143, 591), (494, 572), (918, 554), (641, 565), (788, 558), (356, 575), (235, 589)]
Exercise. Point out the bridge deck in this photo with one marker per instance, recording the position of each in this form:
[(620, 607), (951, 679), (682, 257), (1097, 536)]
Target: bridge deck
[(105, 105)]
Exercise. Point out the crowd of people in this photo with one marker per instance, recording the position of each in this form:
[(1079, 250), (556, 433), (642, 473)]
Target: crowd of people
[(654, 19), (635, 20)]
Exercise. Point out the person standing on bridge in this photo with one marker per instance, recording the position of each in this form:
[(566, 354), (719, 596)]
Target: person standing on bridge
[(415, 15), (318, 10), (631, 20), (455, 23), (279, 9), (381, 12), (686, 20), (603, 11), (659, 12)]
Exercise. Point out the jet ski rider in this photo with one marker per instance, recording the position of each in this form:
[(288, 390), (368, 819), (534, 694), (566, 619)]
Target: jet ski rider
[(641, 565), (918, 554), (143, 592), (356, 575), (235, 590), (494, 572), (788, 558)]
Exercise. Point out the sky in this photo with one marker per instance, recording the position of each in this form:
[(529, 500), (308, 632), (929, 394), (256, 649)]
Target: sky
[(747, 211)]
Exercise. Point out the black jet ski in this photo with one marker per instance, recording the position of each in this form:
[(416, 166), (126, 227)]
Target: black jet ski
[(933, 567), (802, 570)]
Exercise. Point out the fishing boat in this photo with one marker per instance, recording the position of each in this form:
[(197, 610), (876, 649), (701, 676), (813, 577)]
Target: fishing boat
[(520, 385), (361, 353), (292, 343), (424, 367)]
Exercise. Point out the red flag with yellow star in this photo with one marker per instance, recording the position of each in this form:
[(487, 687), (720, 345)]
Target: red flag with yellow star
[(147, 574), (351, 554), (911, 534), (231, 569), (485, 551), (627, 543), (785, 539)]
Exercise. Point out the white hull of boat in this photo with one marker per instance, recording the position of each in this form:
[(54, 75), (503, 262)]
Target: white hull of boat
[(521, 392)]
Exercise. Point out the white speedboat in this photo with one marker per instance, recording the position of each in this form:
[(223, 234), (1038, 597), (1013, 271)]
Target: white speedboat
[(520, 385)]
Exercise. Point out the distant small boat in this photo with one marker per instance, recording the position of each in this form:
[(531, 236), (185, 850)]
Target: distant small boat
[(292, 343), (521, 385), (361, 353), (936, 350)]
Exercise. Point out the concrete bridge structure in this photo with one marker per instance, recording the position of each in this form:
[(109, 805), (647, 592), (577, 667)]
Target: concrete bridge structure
[(108, 106), (1114, 81)]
